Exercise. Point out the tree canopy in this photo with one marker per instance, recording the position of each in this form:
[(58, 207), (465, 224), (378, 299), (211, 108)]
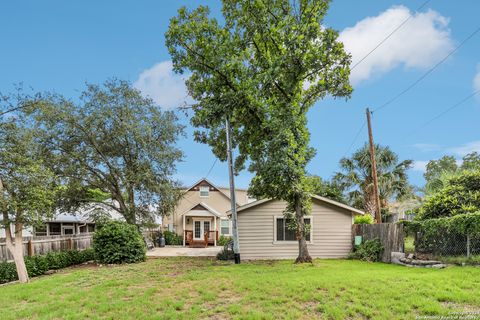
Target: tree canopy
[(438, 172), (28, 188), (112, 141), (262, 68), (459, 195), (356, 177), (327, 189)]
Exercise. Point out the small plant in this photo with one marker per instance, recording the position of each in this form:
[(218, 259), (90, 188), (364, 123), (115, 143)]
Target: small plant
[(225, 254), (365, 219), (223, 240), (172, 239), (370, 250), (119, 242)]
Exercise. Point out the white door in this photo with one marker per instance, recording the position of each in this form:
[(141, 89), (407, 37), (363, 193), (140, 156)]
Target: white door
[(199, 228)]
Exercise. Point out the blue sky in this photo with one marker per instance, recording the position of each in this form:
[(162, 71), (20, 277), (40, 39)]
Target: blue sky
[(58, 45)]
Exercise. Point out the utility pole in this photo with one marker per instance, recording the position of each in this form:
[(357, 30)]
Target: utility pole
[(236, 246), (378, 213)]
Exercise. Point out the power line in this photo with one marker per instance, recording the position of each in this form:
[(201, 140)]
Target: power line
[(211, 168), (389, 35), (428, 71), (355, 139), (459, 103)]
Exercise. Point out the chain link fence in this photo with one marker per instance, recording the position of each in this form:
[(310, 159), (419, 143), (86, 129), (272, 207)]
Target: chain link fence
[(445, 243)]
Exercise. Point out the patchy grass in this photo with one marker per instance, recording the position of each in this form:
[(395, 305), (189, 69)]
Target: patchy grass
[(190, 288)]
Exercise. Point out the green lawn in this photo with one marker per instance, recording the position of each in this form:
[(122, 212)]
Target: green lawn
[(191, 288)]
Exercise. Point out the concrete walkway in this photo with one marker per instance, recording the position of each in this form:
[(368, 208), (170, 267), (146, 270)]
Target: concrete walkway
[(173, 251)]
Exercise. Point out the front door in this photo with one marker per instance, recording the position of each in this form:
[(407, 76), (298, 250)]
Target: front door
[(199, 228)]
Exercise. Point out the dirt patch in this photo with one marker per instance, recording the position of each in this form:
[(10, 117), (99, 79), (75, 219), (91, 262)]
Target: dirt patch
[(468, 309)]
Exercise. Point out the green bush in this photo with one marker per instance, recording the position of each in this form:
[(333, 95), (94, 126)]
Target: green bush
[(38, 265), (460, 195), (118, 242), (172, 239), (223, 240), (437, 236), (370, 250), (365, 219), (225, 254)]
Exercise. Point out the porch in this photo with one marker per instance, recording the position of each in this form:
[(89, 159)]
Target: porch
[(200, 226)]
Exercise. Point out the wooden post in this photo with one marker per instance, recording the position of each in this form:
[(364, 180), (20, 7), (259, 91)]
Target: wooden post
[(70, 244), (468, 246), (378, 213), (30, 248)]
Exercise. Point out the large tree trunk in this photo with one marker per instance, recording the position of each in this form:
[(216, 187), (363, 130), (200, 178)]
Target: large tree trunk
[(15, 246), (303, 255)]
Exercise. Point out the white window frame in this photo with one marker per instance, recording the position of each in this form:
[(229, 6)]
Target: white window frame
[(207, 190), (290, 242), (229, 234)]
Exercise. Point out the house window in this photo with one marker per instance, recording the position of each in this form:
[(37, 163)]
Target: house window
[(41, 230), (204, 191), (225, 227), (55, 229), (284, 233)]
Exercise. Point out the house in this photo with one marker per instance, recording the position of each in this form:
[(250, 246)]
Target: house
[(201, 214), (263, 232)]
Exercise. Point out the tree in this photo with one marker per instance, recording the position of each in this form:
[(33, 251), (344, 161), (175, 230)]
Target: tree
[(356, 177), (438, 172), (459, 195), (28, 189), (113, 141), (327, 189), (262, 69)]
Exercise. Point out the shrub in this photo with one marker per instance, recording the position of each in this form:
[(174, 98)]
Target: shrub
[(460, 195), (8, 272), (39, 265), (118, 242), (223, 240), (172, 239), (225, 254), (370, 250), (365, 219)]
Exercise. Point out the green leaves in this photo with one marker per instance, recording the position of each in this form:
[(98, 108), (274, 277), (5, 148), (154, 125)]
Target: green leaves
[(113, 145), (461, 194)]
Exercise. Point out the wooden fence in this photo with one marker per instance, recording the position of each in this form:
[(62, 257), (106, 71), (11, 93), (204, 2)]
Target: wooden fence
[(391, 236), (43, 245)]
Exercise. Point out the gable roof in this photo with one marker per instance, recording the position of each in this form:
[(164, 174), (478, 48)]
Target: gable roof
[(219, 189), (323, 199), (205, 206)]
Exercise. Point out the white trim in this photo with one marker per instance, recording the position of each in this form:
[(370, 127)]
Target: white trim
[(332, 202), (202, 228), (208, 181), (200, 191), (209, 209), (229, 234), (280, 242)]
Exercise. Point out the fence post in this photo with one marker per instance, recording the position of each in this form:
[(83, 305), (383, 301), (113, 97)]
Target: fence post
[(468, 246), (30, 248), (70, 244)]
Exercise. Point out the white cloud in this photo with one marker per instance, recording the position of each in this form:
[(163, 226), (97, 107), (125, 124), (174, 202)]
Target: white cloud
[(419, 43), (476, 80), (162, 85), (419, 165), (466, 148)]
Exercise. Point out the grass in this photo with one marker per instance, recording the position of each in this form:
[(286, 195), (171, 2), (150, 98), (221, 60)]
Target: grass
[(192, 288)]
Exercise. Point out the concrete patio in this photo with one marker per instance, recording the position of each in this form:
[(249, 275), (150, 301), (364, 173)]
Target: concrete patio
[(173, 251)]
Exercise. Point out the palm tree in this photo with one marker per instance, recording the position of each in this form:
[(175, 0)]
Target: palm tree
[(356, 178)]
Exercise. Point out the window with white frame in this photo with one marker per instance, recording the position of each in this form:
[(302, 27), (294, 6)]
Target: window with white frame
[(204, 191), (283, 233), (225, 227)]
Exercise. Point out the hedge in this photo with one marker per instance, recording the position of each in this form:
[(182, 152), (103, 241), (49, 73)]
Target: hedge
[(39, 265), (446, 236)]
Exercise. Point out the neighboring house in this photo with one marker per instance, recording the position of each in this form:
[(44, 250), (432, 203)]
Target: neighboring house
[(263, 232), (201, 214), (64, 224)]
